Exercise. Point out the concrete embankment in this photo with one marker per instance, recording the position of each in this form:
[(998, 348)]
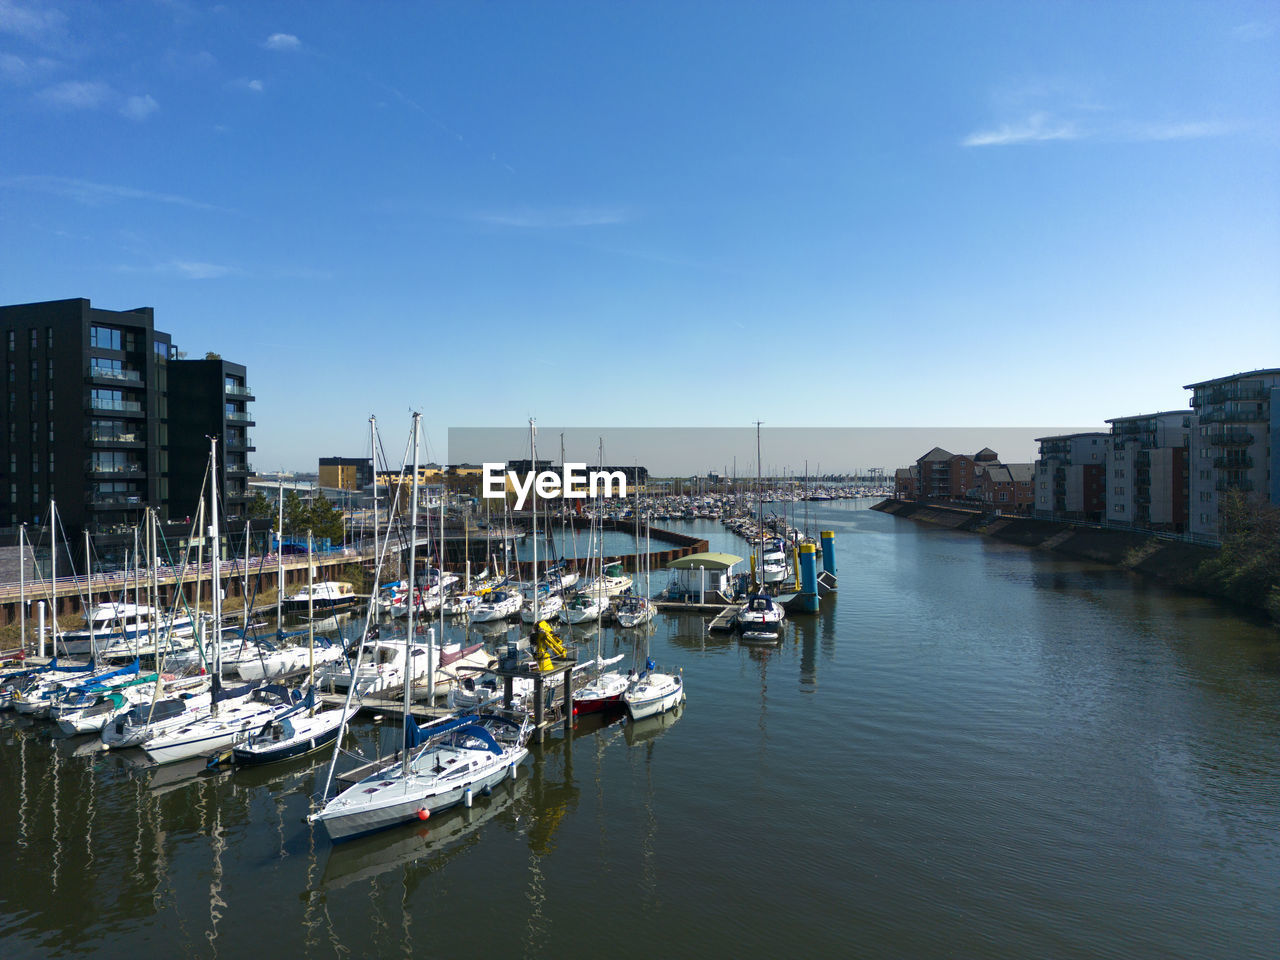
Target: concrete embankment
[(1171, 561)]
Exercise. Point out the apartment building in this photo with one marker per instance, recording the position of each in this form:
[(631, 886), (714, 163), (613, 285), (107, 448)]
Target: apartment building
[(1148, 472), (1235, 444), (1071, 476)]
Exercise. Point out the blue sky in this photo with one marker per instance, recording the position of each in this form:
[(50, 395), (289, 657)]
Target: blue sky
[(815, 214)]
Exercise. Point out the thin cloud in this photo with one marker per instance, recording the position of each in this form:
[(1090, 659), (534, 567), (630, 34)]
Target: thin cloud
[(97, 194), (244, 83), (17, 70), (76, 95), (195, 270), (282, 41), (1035, 129), (554, 219), (139, 108), (1187, 130), (36, 25), (1254, 30)]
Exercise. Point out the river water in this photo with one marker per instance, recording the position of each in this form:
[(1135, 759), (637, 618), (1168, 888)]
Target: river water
[(975, 750)]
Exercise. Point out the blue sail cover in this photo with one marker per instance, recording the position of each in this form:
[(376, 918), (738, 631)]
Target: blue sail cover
[(96, 681), (415, 736)]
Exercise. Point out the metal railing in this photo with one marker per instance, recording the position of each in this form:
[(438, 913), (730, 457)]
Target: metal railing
[(105, 373), (123, 406)]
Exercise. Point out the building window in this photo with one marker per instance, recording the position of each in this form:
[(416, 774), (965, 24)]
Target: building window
[(51, 461), (35, 338), (51, 401), (48, 337), (104, 338), (13, 493), (35, 370), (13, 340), (35, 427)]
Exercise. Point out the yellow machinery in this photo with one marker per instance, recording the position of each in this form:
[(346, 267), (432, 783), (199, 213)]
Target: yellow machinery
[(547, 644)]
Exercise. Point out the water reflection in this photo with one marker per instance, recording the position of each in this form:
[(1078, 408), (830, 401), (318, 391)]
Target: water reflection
[(429, 846)]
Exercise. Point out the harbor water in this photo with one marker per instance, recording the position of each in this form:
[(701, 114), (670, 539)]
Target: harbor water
[(973, 750)]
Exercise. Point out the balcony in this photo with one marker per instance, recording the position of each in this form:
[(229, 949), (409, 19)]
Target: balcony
[(238, 392), (1231, 437), (114, 469), (239, 416), (1232, 416), (1241, 484), (115, 376), (1249, 390), (238, 469), (1233, 463), (114, 500), (115, 406)]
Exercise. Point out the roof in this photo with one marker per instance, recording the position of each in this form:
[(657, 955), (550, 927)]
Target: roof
[(902, 473), (986, 453), (937, 453), (712, 561), (1074, 436), (1021, 472), (1151, 416), (1269, 371)]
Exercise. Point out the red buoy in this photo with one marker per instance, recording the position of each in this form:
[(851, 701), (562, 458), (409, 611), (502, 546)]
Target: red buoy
[(424, 813)]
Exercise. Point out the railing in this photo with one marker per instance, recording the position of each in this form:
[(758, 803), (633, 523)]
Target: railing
[(114, 438), (1233, 463), (238, 391), (1241, 484), (1238, 391), (123, 406), (113, 467), (1231, 437), (104, 373), (240, 416), (125, 499), (1231, 416)]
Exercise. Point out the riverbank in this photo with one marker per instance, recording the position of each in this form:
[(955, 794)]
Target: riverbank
[(1186, 566)]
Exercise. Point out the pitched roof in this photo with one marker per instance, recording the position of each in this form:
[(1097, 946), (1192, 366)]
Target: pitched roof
[(986, 453), (937, 453)]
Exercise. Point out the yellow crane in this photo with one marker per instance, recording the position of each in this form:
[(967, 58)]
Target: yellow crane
[(547, 644)]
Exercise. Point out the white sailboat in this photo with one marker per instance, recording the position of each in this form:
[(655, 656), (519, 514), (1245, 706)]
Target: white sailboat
[(439, 766)]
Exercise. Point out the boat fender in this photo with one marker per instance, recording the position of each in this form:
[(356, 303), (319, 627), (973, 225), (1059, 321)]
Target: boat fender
[(513, 769), (467, 798), (424, 813)]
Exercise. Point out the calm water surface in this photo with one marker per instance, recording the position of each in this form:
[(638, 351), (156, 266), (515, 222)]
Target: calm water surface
[(973, 751)]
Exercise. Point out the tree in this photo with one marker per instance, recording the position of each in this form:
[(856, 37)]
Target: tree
[(213, 356), (296, 515), (260, 506), (326, 520)]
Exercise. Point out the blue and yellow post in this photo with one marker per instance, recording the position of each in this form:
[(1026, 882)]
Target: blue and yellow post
[(808, 578), (829, 551)]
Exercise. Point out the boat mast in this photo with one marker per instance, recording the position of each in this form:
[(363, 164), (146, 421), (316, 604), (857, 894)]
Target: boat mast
[(533, 452), (88, 581), (373, 459), (311, 625), (408, 638), (53, 569), (215, 550), (22, 586), (280, 560)]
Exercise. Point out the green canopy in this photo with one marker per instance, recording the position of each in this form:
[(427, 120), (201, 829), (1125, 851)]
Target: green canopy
[(711, 561)]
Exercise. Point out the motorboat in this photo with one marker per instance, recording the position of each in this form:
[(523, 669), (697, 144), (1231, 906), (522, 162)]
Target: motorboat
[(145, 720), (548, 607), (117, 629), (761, 617), (324, 598)]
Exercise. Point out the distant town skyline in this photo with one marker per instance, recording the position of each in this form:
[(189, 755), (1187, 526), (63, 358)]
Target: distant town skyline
[(819, 215)]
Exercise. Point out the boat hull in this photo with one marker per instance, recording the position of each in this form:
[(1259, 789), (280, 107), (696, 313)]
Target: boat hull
[(403, 806)]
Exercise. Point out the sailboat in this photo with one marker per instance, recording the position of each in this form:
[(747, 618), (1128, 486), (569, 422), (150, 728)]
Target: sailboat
[(634, 610), (439, 766), (305, 728)]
